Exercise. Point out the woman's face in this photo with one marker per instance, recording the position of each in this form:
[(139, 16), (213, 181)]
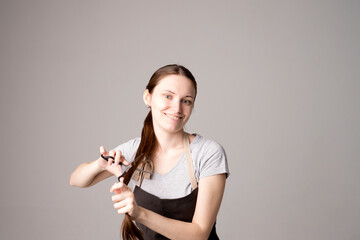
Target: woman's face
[(171, 102)]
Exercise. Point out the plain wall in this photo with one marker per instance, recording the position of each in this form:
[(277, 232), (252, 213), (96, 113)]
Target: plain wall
[(279, 88)]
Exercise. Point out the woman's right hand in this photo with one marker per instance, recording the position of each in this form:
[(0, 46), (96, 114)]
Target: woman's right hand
[(124, 199), (111, 165)]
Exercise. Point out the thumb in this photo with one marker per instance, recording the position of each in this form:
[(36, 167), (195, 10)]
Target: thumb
[(102, 150)]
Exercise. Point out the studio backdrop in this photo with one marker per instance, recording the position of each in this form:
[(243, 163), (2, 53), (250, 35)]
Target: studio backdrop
[(278, 88)]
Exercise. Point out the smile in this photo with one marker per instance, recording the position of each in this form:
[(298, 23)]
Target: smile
[(173, 117)]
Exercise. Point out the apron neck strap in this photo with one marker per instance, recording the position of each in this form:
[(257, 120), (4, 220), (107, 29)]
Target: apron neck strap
[(189, 162)]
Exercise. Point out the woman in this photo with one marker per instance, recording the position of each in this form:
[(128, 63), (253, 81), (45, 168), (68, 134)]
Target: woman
[(179, 177)]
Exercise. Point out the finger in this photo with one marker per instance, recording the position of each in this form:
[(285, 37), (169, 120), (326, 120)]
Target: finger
[(117, 157), (123, 160), (117, 187), (112, 153), (117, 198), (122, 211), (110, 160), (122, 203), (102, 150), (121, 197), (129, 208)]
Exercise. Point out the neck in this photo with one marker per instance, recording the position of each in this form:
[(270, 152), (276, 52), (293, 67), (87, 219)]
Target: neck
[(169, 141)]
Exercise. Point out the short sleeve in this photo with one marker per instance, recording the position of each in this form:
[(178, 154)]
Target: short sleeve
[(128, 149), (210, 159)]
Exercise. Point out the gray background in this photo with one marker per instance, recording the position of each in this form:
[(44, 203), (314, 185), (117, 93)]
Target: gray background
[(278, 88)]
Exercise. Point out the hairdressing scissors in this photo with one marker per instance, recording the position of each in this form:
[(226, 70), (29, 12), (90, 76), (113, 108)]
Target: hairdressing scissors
[(120, 163)]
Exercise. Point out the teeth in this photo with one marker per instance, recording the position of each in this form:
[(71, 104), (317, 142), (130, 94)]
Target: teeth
[(173, 117)]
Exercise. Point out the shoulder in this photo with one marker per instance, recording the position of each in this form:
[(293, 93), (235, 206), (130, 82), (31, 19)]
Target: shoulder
[(208, 145), (128, 149), (132, 143), (209, 157)]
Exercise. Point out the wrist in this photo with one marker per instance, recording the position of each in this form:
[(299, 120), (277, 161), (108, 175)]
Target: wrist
[(99, 166), (138, 215)]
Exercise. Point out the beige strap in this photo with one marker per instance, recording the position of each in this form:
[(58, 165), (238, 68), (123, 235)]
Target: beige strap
[(144, 170), (189, 162), (140, 176)]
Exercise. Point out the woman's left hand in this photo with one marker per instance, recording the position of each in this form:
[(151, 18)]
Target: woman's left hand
[(124, 199)]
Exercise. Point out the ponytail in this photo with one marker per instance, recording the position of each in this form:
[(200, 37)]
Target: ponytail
[(129, 231)]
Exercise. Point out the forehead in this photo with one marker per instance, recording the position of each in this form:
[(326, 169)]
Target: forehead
[(178, 84)]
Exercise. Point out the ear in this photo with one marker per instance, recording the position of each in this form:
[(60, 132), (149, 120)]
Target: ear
[(147, 98)]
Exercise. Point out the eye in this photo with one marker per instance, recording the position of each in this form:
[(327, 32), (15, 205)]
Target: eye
[(167, 96), (188, 102)]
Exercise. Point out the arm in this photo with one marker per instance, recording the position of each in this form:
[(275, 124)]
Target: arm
[(89, 173), (210, 195)]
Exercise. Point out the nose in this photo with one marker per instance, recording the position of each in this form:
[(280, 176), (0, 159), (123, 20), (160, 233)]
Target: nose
[(177, 106)]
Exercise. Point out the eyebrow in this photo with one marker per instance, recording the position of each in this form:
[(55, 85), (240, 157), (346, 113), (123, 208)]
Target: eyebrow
[(175, 93)]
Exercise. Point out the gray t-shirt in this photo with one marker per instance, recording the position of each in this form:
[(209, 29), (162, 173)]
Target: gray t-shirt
[(208, 157)]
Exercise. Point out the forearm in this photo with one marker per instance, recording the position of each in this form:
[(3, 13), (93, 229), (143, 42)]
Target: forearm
[(85, 174), (171, 228), (208, 203)]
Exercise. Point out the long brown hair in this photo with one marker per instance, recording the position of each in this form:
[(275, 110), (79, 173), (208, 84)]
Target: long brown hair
[(129, 230)]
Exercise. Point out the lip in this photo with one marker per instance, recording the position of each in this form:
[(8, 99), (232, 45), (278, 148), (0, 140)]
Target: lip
[(173, 117)]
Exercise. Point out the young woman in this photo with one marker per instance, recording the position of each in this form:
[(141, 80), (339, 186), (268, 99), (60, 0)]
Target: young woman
[(179, 177)]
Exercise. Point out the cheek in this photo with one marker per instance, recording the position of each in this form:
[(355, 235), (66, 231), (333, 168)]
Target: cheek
[(159, 108), (188, 110), (161, 103)]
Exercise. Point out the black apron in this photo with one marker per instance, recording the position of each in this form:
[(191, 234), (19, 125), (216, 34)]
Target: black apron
[(180, 208)]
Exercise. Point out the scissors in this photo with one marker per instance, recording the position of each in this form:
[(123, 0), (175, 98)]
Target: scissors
[(120, 163)]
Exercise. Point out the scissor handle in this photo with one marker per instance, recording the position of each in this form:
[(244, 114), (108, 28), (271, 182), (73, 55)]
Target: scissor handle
[(123, 174), (107, 157)]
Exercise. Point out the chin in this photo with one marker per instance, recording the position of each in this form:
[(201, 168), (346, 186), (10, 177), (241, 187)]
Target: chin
[(173, 130), (170, 127)]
